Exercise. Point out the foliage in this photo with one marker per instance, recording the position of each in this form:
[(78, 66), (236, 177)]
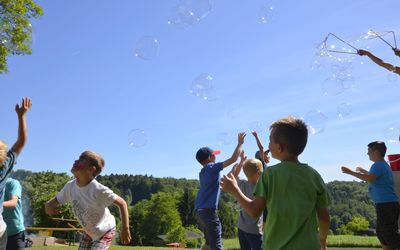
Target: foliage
[(358, 223), (228, 213), (160, 216), (15, 28), (349, 199), (40, 188), (186, 207), (176, 234)]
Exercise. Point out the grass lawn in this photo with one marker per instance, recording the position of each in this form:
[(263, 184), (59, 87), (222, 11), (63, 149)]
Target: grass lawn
[(335, 242), (158, 248)]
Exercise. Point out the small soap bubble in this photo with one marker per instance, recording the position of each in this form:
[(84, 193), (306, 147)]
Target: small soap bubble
[(344, 109), (202, 87), (332, 86), (392, 133), (137, 138), (146, 48), (265, 14), (316, 121), (225, 138)]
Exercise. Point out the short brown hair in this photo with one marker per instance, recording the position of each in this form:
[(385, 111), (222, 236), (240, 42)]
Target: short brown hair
[(252, 166), (94, 159), (3, 151), (292, 133), (378, 146)]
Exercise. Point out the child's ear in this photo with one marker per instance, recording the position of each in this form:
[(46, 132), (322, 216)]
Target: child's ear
[(93, 169)]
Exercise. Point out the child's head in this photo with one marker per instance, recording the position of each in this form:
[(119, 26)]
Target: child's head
[(376, 150), (3, 151), (252, 168), (205, 155), (90, 159), (266, 156), (288, 136)]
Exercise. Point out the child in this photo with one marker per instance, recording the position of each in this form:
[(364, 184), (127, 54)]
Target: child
[(8, 159), (264, 158), (13, 215), (293, 192), (249, 228), (207, 198), (381, 189), (89, 200), (379, 61)]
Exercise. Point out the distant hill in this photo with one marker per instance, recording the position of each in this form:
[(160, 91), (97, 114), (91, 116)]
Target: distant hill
[(348, 199)]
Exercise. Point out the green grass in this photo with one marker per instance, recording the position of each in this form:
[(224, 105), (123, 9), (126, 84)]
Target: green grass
[(335, 242)]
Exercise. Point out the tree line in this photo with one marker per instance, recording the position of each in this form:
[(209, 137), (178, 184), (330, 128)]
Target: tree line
[(165, 206)]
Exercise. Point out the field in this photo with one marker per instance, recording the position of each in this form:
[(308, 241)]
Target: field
[(335, 242)]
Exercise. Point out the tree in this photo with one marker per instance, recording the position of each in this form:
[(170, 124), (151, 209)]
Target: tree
[(160, 217), (186, 207), (41, 187), (15, 28), (358, 223)]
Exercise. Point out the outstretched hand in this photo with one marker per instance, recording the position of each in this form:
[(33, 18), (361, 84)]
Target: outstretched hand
[(362, 52), (346, 170), (25, 106), (396, 51), (229, 184), (241, 137)]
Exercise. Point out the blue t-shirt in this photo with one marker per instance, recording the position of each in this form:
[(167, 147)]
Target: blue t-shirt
[(5, 170), (13, 216), (208, 195), (382, 189)]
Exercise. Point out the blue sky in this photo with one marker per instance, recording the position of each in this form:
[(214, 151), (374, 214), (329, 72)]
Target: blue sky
[(89, 90)]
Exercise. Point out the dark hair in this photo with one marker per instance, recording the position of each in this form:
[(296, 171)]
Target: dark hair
[(379, 146), (292, 133)]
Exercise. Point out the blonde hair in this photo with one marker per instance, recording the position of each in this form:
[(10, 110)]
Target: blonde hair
[(252, 166), (3, 151), (94, 159)]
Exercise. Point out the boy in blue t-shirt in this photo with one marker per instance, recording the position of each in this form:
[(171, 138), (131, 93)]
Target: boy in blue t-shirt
[(381, 189), (13, 215), (8, 159), (207, 198)]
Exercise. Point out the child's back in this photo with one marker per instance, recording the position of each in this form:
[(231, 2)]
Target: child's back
[(293, 191)]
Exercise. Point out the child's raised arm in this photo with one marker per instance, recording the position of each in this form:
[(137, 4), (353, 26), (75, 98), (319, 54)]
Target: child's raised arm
[(238, 167), (123, 211), (22, 129), (236, 152), (259, 145), (253, 207), (379, 61)]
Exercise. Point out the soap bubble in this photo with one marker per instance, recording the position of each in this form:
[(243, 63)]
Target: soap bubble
[(392, 133), (146, 48), (225, 138), (137, 138), (316, 121), (344, 109)]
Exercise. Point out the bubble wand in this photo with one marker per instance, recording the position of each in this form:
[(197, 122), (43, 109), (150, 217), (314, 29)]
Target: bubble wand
[(380, 37), (343, 41)]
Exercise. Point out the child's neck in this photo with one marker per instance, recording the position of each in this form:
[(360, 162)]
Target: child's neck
[(85, 183), (291, 158)]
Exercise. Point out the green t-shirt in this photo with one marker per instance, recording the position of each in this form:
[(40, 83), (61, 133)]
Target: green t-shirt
[(293, 192)]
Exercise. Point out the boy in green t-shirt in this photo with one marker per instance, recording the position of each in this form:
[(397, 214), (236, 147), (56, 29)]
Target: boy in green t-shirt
[(293, 192)]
